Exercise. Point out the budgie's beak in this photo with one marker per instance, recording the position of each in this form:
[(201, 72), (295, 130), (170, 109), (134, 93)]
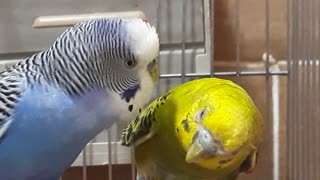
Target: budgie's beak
[(194, 152), (203, 146), (153, 69)]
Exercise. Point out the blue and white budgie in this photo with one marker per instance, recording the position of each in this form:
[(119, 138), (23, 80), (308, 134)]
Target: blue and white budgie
[(54, 102)]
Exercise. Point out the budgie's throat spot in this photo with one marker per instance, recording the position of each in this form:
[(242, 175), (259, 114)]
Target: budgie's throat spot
[(130, 107), (224, 161)]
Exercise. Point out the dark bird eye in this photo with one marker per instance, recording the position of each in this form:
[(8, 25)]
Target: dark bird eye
[(130, 63)]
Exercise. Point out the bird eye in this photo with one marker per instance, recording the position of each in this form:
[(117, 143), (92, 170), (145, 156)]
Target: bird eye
[(201, 115), (130, 63)]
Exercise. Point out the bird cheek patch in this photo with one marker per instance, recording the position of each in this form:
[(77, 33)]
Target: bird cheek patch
[(185, 125)]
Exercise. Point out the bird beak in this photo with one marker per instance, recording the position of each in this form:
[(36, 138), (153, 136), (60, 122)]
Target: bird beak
[(194, 152), (204, 146), (153, 69)]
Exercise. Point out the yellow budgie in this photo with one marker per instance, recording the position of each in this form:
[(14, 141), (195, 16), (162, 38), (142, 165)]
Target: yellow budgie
[(203, 129)]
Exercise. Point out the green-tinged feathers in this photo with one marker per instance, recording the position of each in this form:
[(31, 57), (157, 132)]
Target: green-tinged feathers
[(203, 129)]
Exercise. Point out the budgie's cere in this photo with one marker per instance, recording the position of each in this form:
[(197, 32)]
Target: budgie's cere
[(54, 102), (203, 129)]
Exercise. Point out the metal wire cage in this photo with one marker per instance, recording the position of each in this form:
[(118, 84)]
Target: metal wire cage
[(233, 40)]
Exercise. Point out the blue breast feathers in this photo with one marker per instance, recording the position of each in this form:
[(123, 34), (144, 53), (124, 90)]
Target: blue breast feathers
[(48, 131)]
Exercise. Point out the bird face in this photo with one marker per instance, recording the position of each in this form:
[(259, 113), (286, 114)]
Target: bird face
[(203, 145)]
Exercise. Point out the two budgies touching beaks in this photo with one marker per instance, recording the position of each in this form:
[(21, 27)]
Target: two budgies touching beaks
[(54, 102), (203, 129)]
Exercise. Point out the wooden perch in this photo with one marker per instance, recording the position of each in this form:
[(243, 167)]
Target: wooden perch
[(72, 19)]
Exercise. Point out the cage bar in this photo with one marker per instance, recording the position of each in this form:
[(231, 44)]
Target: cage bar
[(237, 27), (84, 163), (109, 154), (183, 41), (303, 124)]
